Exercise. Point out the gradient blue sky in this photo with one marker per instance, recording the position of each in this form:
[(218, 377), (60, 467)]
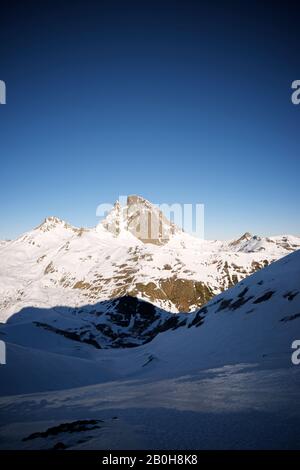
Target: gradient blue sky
[(175, 101)]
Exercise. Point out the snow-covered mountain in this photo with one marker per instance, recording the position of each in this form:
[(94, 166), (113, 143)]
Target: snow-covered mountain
[(57, 264), (255, 321), (226, 367)]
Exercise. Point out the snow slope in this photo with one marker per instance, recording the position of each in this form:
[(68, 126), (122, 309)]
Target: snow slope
[(256, 321)]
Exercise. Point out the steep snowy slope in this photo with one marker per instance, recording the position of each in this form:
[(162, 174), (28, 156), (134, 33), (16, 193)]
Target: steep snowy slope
[(60, 265), (256, 321)]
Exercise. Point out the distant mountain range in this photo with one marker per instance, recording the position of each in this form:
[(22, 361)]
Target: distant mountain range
[(98, 356), (57, 264)]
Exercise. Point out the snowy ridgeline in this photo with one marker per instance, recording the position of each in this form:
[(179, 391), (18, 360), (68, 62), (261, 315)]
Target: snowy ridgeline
[(57, 264)]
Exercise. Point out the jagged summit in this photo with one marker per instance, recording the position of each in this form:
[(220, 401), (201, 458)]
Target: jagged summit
[(142, 219), (52, 222), (136, 199), (245, 237)]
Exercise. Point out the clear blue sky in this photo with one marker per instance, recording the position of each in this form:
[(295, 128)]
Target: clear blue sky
[(175, 101)]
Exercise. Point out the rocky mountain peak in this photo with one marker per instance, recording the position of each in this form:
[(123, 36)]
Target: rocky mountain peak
[(245, 237), (51, 223), (135, 199), (142, 219)]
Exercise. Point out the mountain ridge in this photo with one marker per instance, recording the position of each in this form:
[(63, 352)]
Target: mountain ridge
[(57, 263)]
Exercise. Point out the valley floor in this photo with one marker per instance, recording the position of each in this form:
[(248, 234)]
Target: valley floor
[(241, 406)]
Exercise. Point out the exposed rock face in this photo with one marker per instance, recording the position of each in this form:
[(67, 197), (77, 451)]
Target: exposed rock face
[(246, 237), (142, 219), (113, 222), (184, 293)]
